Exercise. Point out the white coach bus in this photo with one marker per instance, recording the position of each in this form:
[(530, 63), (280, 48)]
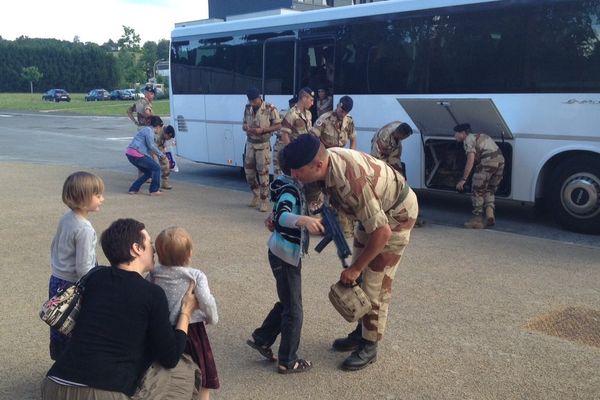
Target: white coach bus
[(526, 72)]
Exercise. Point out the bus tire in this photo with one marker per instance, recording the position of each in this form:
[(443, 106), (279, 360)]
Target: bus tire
[(574, 196)]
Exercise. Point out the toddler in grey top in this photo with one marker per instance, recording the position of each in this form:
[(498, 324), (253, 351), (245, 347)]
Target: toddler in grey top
[(174, 249)]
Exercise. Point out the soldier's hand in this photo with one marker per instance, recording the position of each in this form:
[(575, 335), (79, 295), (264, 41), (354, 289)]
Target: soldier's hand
[(349, 276), (460, 186)]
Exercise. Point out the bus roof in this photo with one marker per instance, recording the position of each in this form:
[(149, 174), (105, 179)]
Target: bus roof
[(298, 19)]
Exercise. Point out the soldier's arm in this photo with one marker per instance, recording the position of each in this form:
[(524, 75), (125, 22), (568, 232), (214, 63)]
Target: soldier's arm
[(375, 244), (130, 111), (467, 171)]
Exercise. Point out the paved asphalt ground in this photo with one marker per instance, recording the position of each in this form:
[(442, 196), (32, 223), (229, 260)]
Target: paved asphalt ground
[(456, 330)]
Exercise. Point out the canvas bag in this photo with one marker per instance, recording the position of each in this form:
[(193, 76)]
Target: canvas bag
[(350, 301)]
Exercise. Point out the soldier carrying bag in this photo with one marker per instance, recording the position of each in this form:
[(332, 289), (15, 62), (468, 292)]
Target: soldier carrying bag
[(349, 300)]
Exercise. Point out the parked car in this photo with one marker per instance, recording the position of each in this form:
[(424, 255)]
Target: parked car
[(135, 93), (56, 95), (97, 95), (121, 94)]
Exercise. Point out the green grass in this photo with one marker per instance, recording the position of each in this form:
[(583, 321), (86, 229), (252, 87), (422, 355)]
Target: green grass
[(33, 103)]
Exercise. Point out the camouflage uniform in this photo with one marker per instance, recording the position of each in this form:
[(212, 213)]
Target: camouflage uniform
[(139, 107), (258, 148), (296, 122), (335, 133), (374, 194), (165, 169), (279, 145), (489, 169), (386, 147), (332, 131)]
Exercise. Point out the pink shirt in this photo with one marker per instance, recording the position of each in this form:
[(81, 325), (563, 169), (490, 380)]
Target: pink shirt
[(133, 152)]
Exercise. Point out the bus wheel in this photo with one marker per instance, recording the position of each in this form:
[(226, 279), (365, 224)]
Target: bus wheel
[(575, 194)]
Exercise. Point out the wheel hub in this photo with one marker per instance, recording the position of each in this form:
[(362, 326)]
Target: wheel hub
[(580, 195)]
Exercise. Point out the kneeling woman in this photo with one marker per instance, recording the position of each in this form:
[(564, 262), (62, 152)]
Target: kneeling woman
[(139, 153), (124, 327)]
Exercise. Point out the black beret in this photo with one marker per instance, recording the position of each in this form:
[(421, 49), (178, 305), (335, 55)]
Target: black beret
[(347, 103), (252, 93), (462, 127), (307, 91), (150, 89), (301, 151)]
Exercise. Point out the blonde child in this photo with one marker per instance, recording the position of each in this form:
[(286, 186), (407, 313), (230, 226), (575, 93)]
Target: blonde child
[(174, 249), (73, 249)]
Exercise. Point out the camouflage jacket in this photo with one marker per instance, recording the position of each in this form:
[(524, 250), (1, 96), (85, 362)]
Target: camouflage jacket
[(483, 146), (386, 147), (296, 123), (332, 131), (265, 117), (361, 186)]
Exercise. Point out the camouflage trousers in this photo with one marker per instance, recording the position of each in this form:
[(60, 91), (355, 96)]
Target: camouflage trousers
[(377, 278), (256, 168), (279, 145), (165, 171), (486, 178)]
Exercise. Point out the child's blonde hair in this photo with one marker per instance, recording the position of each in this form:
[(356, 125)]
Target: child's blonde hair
[(173, 246), (79, 187)]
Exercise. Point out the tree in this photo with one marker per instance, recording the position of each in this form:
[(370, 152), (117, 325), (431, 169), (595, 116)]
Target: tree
[(130, 40), (31, 75)]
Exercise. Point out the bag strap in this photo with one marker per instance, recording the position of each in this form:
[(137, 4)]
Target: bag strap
[(82, 281)]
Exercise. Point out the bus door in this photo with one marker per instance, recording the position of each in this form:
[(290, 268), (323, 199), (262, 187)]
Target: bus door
[(279, 69), (316, 57), (445, 158)]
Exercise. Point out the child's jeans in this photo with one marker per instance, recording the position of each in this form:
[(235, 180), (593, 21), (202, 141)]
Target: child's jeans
[(286, 315)]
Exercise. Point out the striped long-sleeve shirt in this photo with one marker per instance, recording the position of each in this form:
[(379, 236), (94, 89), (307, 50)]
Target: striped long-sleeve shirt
[(288, 241)]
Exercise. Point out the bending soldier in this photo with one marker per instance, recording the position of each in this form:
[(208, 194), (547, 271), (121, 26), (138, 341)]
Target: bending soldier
[(386, 144), (166, 133), (261, 119), (484, 154), (377, 196)]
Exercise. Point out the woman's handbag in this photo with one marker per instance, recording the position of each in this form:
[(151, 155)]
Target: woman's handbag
[(349, 300), (60, 311)]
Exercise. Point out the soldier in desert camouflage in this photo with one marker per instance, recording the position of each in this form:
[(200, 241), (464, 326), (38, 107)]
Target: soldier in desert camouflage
[(386, 144), (483, 154), (298, 119), (261, 119), (377, 196), (279, 145)]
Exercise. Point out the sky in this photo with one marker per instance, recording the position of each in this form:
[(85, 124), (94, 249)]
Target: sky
[(97, 21)]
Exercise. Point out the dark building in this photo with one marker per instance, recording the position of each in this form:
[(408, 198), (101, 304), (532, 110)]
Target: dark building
[(223, 8)]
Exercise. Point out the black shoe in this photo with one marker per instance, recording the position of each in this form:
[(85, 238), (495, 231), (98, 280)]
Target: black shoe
[(365, 355), (350, 342)]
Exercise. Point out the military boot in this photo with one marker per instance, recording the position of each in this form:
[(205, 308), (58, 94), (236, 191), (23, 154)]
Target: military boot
[(365, 354), (265, 206), (475, 223), (164, 184), (254, 202), (350, 342), (489, 216)]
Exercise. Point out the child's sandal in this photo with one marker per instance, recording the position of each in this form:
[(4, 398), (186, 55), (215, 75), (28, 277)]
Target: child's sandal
[(300, 365), (264, 351)]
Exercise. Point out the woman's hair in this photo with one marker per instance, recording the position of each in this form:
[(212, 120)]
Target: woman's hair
[(79, 187), (173, 246), (155, 121), (118, 239)]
